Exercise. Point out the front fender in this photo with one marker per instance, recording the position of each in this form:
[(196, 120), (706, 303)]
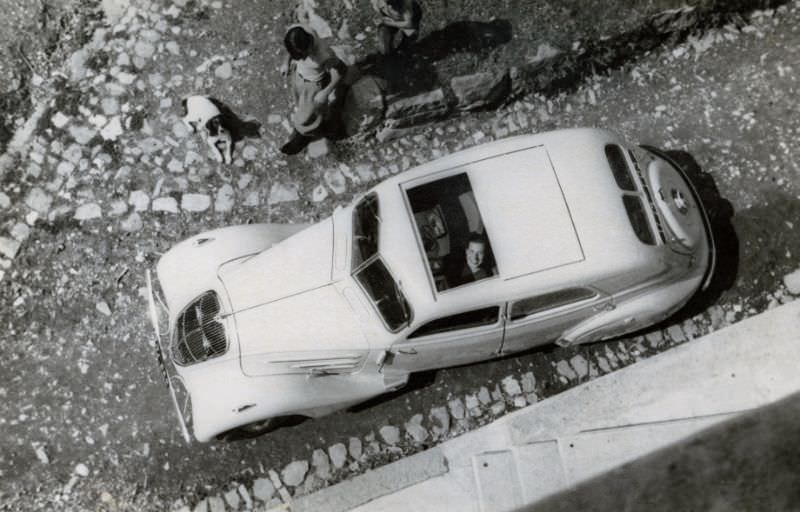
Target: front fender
[(222, 398), (190, 267)]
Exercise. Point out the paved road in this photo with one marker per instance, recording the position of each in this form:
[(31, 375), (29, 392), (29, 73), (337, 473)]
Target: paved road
[(111, 181)]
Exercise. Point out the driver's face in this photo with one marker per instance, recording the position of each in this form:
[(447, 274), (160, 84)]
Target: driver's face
[(475, 255)]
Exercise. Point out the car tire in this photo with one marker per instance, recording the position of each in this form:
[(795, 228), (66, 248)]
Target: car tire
[(259, 428)]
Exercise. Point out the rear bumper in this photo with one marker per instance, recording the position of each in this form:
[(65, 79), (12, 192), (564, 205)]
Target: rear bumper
[(711, 244)]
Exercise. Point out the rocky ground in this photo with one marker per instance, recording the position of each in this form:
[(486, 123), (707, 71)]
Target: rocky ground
[(103, 178)]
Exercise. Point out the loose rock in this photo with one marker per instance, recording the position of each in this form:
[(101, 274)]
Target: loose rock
[(263, 489), (390, 434), (321, 464), (294, 473)]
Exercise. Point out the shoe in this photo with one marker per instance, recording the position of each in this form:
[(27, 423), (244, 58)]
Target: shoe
[(296, 144)]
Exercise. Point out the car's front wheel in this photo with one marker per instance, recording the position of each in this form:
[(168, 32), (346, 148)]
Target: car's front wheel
[(258, 428)]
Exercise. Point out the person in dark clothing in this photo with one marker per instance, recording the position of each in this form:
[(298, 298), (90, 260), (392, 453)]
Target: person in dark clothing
[(397, 17)]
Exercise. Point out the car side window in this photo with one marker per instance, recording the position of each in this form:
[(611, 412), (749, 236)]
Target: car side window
[(466, 320), (538, 303)]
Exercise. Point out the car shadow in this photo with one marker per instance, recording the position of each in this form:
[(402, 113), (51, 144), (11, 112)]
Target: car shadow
[(416, 381), (720, 215)]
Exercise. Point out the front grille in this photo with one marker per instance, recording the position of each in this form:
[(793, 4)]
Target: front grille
[(199, 333), (649, 196)]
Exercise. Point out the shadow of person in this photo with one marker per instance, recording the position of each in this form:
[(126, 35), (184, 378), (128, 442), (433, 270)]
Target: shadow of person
[(410, 70), (464, 36), (720, 215), (239, 128)]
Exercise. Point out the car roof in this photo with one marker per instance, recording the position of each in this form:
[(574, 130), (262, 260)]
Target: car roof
[(550, 208)]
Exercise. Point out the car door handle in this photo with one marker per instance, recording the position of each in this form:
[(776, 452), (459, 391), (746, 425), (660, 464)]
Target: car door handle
[(407, 351), (608, 306)]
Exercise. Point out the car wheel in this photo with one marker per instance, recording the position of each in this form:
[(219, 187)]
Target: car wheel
[(258, 428)]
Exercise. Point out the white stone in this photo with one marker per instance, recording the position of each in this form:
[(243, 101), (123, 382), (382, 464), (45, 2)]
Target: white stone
[(335, 179), (82, 470), (173, 48), (263, 489), (126, 78), (511, 386), (280, 193), (103, 308), (9, 247), (165, 204), (233, 499), (216, 504), (318, 148), (20, 231), (113, 129), (82, 134), (319, 193), (224, 199), (338, 455), (390, 434), (294, 473), (249, 152), (355, 448), (118, 207), (195, 202), (792, 282), (59, 120), (110, 106), (321, 464), (133, 223), (5, 201), (248, 502), (456, 407), (179, 129), (224, 71), (139, 200), (65, 168), (88, 211), (144, 49), (175, 166)]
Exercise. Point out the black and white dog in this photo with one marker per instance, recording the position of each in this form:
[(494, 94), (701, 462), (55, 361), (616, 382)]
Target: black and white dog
[(199, 112)]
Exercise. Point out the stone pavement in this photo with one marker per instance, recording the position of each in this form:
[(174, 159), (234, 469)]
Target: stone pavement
[(586, 431)]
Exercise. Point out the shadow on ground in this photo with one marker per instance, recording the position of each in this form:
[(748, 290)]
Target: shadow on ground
[(411, 72), (747, 463)]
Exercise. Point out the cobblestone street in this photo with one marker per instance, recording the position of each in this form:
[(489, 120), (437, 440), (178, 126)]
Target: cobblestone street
[(103, 177)]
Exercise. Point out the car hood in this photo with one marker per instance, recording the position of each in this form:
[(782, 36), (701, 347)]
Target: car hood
[(300, 263), (311, 331)]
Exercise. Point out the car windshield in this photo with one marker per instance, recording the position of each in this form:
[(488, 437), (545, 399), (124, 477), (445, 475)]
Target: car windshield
[(365, 229), (385, 293), (369, 269)]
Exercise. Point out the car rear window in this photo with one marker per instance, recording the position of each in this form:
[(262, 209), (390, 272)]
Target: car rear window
[(199, 334), (638, 218), (619, 167)]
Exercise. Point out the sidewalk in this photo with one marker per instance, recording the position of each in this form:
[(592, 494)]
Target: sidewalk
[(588, 430)]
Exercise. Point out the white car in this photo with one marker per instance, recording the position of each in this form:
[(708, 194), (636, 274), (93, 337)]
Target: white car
[(568, 237)]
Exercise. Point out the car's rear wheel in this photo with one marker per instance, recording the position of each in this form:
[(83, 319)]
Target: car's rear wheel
[(258, 428)]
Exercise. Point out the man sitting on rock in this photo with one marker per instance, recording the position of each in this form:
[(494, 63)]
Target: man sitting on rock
[(397, 16), (318, 73)]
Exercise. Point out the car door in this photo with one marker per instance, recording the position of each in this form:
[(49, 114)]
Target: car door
[(542, 318), (451, 340)]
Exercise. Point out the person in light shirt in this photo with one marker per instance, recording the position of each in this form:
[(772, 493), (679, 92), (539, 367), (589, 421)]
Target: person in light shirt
[(317, 77)]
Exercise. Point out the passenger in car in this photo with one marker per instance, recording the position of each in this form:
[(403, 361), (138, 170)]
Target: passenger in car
[(477, 261)]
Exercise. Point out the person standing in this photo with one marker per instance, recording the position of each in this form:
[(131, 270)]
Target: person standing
[(397, 17), (317, 76)]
